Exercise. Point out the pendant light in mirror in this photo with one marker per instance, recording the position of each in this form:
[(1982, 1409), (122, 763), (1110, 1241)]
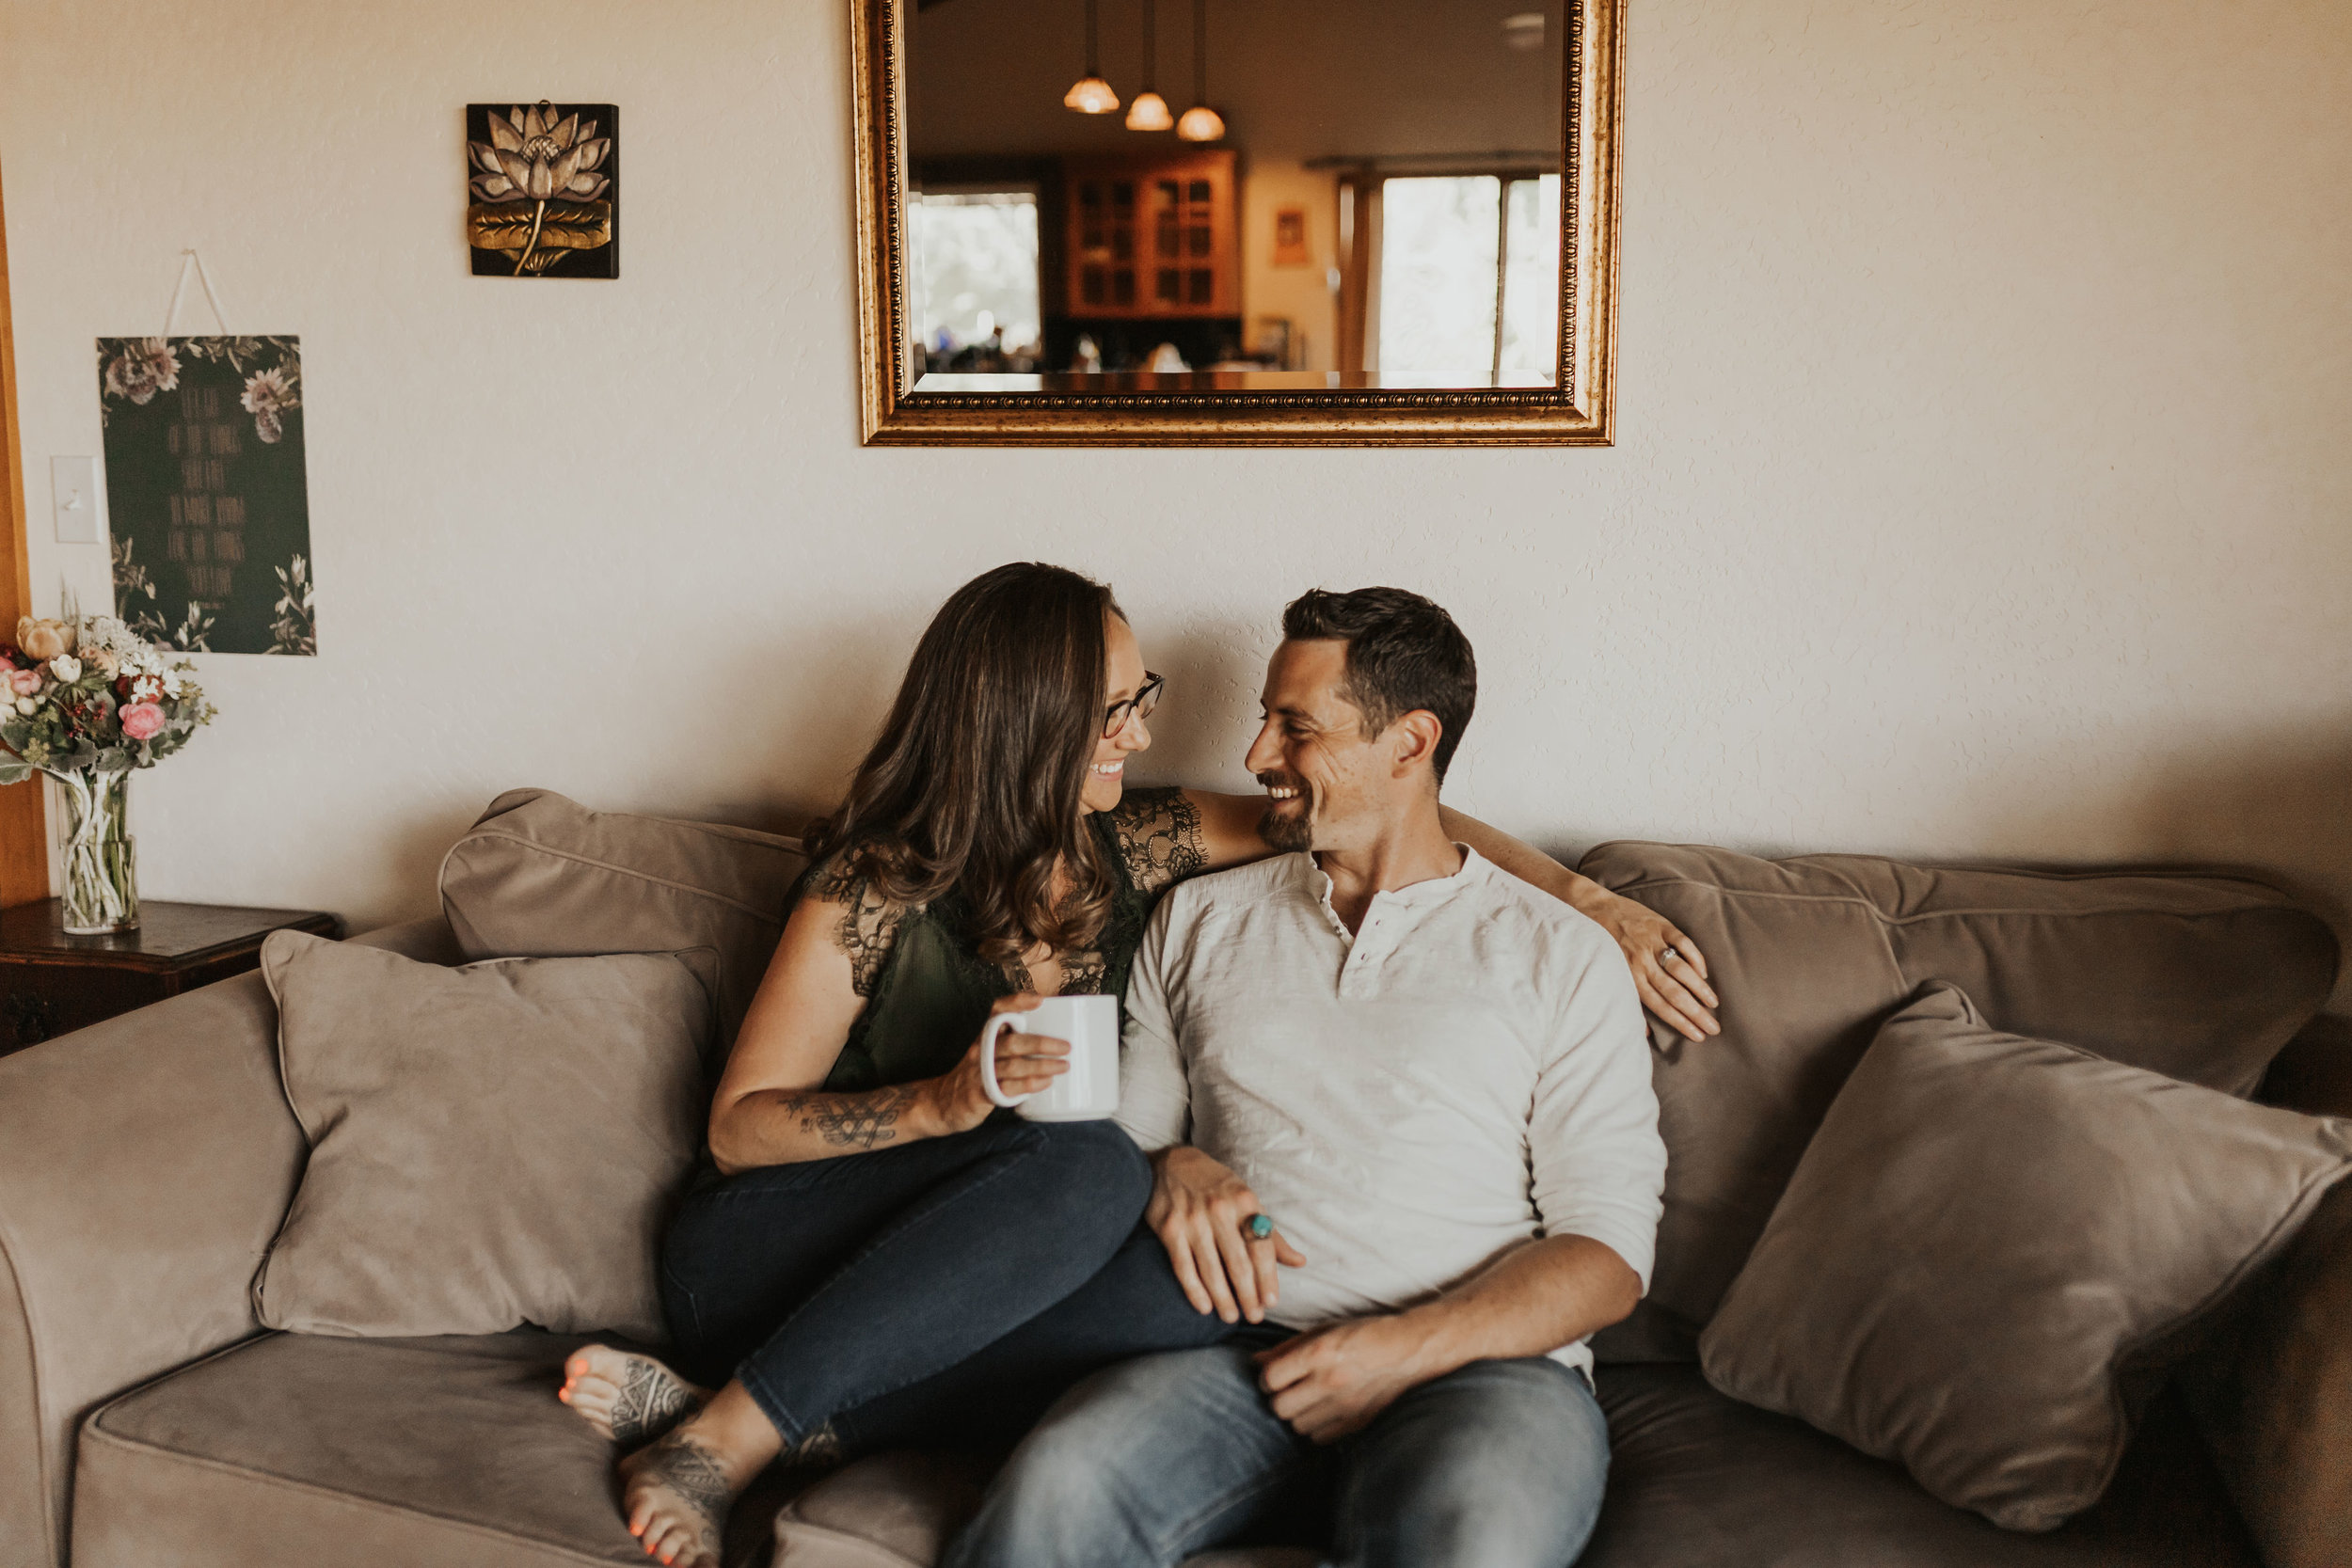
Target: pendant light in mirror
[(1090, 94), (1201, 122), (1149, 112)]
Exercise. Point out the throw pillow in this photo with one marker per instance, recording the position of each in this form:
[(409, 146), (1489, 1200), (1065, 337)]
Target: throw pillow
[(540, 875), (490, 1145), (1989, 1253)]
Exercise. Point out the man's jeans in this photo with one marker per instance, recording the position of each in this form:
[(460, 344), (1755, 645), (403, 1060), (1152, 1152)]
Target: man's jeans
[(1500, 1464)]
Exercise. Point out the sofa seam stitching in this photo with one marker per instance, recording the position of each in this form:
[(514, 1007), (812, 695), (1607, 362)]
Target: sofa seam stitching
[(602, 865), (40, 1442), (2284, 905), (270, 1478), (2154, 871)]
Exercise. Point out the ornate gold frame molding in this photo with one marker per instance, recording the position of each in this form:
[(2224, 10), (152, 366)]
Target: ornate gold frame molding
[(1578, 411)]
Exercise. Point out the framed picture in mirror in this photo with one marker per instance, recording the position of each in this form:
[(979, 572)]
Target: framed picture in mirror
[(1075, 217)]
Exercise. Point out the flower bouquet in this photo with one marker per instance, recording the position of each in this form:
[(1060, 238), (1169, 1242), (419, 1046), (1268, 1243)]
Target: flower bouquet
[(85, 699)]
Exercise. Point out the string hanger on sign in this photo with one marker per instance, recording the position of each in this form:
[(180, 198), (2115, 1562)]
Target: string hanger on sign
[(188, 259)]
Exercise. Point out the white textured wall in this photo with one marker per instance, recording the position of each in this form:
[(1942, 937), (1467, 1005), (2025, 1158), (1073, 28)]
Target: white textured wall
[(1982, 483)]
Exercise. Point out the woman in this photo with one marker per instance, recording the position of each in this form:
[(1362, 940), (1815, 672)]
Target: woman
[(871, 1224)]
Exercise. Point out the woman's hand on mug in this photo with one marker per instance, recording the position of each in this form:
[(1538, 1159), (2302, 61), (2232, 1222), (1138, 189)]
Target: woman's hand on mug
[(1024, 1064)]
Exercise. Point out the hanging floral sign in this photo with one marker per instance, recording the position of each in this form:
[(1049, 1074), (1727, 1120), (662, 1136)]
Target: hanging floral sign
[(207, 499)]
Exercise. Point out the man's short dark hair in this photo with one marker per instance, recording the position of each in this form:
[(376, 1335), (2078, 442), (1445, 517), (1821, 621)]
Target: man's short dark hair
[(1403, 653)]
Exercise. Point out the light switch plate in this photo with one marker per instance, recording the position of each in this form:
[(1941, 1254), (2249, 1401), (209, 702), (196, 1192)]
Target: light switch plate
[(73, 496)]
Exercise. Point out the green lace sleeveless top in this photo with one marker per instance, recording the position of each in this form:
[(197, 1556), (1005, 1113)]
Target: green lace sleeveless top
[(926, 989)]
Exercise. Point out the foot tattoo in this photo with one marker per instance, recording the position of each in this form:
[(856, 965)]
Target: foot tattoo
[(653, 1399), (821, 1448), (675, 1496), (630, 1399)]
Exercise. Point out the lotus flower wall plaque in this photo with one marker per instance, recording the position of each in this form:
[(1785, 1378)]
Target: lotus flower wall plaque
[(546, 182)]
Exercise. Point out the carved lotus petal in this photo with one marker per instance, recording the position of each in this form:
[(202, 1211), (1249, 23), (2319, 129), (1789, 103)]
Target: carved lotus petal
[(516, 167)]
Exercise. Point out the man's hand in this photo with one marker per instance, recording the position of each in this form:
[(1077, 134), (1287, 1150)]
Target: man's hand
[(1332, 1382), (1200, 1211), (1669, 969)]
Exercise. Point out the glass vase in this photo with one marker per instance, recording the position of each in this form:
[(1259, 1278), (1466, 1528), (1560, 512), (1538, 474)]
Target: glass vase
[(102, 887)]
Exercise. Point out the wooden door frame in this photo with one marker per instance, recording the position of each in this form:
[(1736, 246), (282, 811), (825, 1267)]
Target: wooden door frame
[(23, 815)]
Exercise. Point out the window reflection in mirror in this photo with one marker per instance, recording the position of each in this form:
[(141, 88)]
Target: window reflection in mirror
[(975, 278), (1470, 274), (1382, 209)]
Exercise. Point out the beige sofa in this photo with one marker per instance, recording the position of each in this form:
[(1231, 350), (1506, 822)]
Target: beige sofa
[(145, 1165)]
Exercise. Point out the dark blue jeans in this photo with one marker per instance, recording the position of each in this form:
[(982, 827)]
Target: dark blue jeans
[(936, 1293)]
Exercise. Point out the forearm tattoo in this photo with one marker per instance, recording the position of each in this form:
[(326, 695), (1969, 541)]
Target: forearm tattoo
[(853, 1121)]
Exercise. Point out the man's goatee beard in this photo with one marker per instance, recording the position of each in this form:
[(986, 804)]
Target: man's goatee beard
[(1287, 834)]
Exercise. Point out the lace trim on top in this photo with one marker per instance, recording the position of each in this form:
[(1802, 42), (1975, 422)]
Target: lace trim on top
[(869, 924), (1159, 838), (1159, 842)]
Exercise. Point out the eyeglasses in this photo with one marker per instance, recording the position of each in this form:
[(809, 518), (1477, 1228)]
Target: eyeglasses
[(1139, 706)]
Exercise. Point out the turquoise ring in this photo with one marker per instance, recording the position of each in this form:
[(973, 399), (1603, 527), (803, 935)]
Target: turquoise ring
[(1261, 1226)]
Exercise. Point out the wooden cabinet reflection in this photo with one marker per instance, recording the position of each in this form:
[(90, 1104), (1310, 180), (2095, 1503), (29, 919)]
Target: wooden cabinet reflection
[(1153, 238)]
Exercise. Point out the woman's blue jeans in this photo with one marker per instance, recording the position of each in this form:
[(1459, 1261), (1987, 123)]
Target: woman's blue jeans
[(853, 1290)]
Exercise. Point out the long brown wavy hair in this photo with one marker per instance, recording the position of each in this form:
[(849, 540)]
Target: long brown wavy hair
[(975, 781)]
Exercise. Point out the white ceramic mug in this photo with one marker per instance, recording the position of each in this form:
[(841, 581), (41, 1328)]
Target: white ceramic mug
[(1089, 1090)]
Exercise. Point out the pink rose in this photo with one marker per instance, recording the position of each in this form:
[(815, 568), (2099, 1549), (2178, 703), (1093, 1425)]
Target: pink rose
[(24, 683), (142, 719)]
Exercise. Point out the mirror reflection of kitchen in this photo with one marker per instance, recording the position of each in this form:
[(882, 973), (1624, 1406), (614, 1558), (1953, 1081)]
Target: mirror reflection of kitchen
[(1243, 194)]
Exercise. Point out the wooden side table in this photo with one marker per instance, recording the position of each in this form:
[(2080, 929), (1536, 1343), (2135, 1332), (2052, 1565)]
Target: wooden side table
[(51, 983)]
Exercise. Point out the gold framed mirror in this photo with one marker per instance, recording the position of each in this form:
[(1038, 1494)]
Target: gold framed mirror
[(1378, 222)]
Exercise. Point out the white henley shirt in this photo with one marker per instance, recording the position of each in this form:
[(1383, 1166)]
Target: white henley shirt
[(1466, 1072)]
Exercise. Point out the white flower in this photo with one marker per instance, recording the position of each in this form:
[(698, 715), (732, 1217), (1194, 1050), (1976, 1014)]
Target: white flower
[(28, 706), (66, 667), (145, 366), (146, 688)]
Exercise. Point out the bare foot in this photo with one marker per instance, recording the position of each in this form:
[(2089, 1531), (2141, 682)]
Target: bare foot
[(674, 1495), (630, 1399)]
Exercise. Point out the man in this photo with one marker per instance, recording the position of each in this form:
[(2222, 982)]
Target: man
[(1404, 1143)]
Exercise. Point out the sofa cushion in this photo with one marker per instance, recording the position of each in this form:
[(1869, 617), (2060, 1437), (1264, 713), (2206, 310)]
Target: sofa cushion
[(356, 1454), (2200, 977), (1700, 1481), (1991, 1245), (540, 875), (490, 1145)]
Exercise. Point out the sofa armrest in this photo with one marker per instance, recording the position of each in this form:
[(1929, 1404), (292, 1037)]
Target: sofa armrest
[(2273, 1390), (145, 1165)]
